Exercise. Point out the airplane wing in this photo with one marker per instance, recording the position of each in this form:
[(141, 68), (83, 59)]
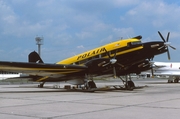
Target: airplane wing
[(41, 69)]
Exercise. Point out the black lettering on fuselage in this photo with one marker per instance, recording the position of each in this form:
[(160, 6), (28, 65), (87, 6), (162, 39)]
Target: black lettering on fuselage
[(97, 51), (92, 53), (83, 56), (102, 50)]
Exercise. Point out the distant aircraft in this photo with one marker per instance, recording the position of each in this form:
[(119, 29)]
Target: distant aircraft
[(118, 58), (6, 75), (171, 69)]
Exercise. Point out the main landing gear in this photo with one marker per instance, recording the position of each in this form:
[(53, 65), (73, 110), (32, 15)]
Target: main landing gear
[(128, 83), (175, 80), (41, 85), (90, 85)]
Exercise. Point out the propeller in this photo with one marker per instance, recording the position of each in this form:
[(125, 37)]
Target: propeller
[(112, 61), (153, 66), (166, 43), (152, 70)]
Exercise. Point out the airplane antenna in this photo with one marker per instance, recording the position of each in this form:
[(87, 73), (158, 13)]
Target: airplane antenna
[(39, 42), (128, 36)]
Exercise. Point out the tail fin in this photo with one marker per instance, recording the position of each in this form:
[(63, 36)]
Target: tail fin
[(34, 57)]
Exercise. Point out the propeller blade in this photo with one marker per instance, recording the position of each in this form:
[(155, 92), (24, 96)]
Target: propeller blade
[(152, 68), (115, 54), (112, 61), (114, 71), (152, 72), (172, 47), (106, 64), (168, 54), (167, 37), (107, 53), (120, 65), (161, 36), (161, 47)]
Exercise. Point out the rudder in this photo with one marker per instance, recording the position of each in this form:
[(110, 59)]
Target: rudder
[(34, 57)]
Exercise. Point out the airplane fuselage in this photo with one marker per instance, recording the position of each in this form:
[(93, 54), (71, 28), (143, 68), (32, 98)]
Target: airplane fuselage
[(120, 47), (132, 57)]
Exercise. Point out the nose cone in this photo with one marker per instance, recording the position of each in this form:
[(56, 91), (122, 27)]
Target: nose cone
[(154, 48), (113, 61)]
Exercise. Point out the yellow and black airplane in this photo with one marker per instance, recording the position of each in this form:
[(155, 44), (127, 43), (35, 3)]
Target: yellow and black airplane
[(117, 58)]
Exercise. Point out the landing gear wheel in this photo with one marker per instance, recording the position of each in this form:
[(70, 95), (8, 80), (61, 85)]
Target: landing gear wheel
[(41, 85), (130, 85), (170, 81), (176, 80), (91, 84)]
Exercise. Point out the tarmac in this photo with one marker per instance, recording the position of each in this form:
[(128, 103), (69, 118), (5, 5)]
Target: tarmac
[(156, 99)]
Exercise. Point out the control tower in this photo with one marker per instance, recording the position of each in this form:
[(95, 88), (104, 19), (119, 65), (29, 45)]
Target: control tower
[(39, 42)]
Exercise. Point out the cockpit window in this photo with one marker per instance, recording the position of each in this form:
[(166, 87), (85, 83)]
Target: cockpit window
[(136, 43)]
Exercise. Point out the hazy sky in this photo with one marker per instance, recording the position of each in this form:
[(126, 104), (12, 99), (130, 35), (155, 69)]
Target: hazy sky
[(70, 27)]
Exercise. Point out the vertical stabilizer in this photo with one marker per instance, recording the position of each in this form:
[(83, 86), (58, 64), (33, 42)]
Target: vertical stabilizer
[(34, 57)]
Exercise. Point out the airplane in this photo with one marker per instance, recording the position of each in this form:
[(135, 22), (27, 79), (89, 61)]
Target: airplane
[(116, 59), (171, 69), (5, 75)]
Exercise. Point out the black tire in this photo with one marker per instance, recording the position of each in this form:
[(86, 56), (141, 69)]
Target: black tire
[(130, 84), (40, 85), (170, 81), (176, 80), (92, 84)]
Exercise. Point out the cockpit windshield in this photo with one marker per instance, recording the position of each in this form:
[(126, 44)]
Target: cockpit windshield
[(136, 43)]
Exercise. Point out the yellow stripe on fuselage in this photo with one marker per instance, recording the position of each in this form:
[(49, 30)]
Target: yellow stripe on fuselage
[(100, 50), (43, 78)]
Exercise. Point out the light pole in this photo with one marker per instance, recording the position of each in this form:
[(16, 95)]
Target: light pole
[(39, 42)]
